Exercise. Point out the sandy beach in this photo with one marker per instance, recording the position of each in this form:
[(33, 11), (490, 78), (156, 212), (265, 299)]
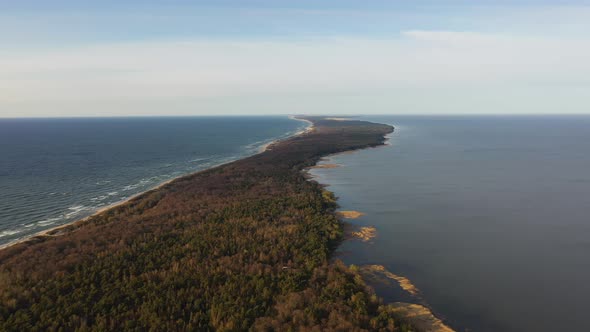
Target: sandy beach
[(54, 230), (47, 232), (350, 214), (308, 129)]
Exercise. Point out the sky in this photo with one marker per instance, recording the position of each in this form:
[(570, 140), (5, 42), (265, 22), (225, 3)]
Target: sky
[(238, 57)]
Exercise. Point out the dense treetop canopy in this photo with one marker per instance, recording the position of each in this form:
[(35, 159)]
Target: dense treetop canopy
[(243, 246)]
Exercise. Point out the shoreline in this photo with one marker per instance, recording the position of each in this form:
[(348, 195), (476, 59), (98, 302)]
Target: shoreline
[(308, 129), (103, 209), (206, 236), (407, 310), (418, 313), (263, 148)]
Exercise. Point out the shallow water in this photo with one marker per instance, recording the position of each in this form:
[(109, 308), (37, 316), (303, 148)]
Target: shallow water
[(487, 215), (54, 171)]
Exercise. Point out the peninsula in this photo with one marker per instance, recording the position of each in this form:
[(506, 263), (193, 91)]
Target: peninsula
[(242, 246)]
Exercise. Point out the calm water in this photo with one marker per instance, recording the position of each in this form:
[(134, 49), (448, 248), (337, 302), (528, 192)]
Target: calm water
[(488, 216), (53, 171)]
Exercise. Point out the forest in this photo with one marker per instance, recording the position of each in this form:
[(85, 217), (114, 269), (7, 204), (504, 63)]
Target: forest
[(243, 246)]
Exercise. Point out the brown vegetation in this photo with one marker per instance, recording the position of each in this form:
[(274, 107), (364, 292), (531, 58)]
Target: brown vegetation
[(242, 246)]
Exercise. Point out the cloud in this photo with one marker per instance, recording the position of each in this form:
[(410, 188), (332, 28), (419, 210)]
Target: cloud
[(225, 75), (450, 37), (524, 58)]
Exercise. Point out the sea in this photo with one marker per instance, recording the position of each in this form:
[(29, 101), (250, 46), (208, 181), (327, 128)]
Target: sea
[(55, 171), (488, 216)]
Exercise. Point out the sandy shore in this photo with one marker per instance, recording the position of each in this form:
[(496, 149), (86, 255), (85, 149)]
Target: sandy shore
[(310, 126), (47, 232), (308, 129), (418, 315), (350, 214), (340, 119), (380, 273), (364, 233), (326, 166)]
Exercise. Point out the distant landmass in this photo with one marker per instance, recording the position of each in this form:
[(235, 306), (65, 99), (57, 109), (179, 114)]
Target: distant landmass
[(245, 245)]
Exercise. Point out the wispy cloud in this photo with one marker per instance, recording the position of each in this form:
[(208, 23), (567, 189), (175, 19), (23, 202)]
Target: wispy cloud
[(416, 64), (470, 58)]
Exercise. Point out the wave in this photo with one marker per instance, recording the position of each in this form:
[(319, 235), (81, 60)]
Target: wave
[(93, 204), (200, 159), (10, 232), (256, 146), (76, 210), (53, 209), (48, 221)]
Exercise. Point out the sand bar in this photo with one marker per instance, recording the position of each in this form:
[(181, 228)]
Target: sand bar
[(350, 214)]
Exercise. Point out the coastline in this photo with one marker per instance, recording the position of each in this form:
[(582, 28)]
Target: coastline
[(228, 207), (47, 232), (56, 229), (418, 312), (308, 129)]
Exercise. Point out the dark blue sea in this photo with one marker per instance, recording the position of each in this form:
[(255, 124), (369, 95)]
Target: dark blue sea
[(55, 171), (489, 216)]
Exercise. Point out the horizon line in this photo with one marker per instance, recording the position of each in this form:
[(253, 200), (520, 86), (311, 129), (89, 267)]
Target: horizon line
[(281, 115)]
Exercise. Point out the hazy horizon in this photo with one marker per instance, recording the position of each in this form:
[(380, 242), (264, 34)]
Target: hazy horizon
[(259, 57), (351, 116)]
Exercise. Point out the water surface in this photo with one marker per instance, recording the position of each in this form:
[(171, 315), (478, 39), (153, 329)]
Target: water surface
[(487, 215), (54, 171)]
